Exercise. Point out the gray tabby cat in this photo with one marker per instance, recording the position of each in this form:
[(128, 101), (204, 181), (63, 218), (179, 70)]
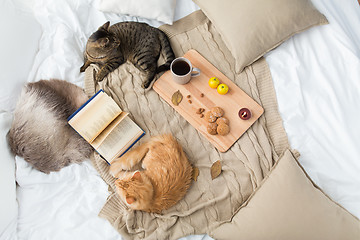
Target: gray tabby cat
[(139, 43), (39, 132)]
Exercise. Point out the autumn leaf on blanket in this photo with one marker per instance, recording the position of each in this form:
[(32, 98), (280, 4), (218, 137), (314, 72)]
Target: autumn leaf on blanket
[(195, 173), (176, 98), (215, 169)]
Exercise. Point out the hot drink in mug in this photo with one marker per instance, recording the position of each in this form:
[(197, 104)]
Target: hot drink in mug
[(182, 70)]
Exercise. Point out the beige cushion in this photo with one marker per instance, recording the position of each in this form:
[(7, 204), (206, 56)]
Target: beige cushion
[(289, 206), (250, 28)]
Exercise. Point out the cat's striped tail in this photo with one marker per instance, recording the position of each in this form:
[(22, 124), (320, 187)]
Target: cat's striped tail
[(166, 51)]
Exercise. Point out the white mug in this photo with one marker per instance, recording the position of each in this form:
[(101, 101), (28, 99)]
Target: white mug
[(182, 70)]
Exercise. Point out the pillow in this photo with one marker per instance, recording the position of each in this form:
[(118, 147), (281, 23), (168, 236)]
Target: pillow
[(250, 28), (289, 206), (8, 203), (160, 10)]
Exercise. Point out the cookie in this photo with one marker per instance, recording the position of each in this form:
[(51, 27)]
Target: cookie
[(211, 128), (222, 120), (217, 111), (223, 129), (209, 117)]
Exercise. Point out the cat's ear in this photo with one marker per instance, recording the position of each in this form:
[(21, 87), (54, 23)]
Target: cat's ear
[(106, 26), (136, 176), (104, 42), (130, 200)]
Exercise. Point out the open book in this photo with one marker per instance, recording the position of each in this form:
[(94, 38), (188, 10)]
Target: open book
[(102, 123)]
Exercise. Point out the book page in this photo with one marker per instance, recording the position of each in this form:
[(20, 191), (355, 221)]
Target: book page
[(119, 139), (102, 136), (95, 116)]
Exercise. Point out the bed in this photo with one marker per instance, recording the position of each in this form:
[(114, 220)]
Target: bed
[(315, 75)]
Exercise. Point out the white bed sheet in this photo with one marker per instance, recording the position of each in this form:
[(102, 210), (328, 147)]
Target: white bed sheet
[(317, 80)]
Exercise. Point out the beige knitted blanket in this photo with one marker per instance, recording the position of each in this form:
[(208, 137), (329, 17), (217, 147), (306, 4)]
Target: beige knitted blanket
[(208, 202)]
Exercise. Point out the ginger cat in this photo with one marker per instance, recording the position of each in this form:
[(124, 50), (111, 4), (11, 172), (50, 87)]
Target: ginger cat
[(154, 176)]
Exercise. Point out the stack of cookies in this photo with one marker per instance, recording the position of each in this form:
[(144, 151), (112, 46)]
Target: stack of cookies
[(217, 123)]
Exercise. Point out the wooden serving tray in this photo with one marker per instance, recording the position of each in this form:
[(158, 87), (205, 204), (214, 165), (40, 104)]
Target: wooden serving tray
[(231, 102)]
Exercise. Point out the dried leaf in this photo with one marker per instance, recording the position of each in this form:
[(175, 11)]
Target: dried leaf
[(195, 173), (215, 169), (176, 98)]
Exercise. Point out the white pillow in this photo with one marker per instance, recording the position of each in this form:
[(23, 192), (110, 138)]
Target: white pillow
[(8, 203), (160, 10)]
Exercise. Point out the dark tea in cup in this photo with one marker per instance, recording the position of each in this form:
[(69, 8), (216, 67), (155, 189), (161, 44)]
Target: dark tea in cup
[(182, 70)]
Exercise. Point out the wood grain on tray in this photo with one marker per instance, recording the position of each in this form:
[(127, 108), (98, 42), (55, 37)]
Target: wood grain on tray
[(231, 102)]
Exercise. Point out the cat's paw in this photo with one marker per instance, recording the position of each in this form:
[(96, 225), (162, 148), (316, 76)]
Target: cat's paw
[(145, 85), (99, 78), (117, 167), (82, 69), (114, 171)]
